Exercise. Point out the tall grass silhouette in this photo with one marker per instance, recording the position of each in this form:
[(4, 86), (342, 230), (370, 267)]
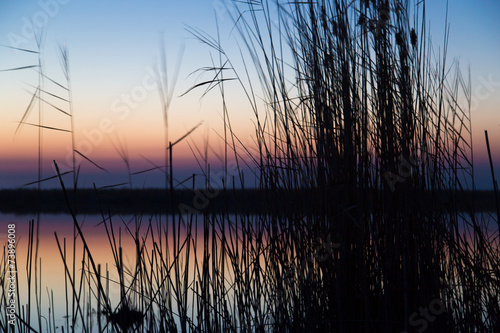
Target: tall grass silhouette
[(372, 128), (363, 159)]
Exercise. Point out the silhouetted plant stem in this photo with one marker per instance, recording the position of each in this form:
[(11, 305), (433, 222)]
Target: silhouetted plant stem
[(495, 184)]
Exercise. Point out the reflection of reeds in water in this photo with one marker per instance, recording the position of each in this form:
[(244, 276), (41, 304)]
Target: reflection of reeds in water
[(371, 127)]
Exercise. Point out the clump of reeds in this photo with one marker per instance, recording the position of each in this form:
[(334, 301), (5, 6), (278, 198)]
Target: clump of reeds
[(368, 122)]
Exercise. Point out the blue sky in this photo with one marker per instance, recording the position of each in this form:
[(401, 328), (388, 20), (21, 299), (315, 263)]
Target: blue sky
[(114, 44)]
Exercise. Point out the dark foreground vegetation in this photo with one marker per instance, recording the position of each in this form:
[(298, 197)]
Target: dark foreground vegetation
[(156, 201), (355, 99)]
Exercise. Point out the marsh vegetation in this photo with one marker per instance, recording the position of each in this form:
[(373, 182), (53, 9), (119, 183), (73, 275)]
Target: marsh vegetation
[(361, 113)]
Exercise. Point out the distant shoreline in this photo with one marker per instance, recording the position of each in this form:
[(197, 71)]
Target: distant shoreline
[(158, 201)]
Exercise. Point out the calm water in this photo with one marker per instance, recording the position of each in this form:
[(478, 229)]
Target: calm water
[(52, 268)]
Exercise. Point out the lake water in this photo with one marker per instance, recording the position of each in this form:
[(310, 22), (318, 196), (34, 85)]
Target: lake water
[(52, 274), (50, 259)]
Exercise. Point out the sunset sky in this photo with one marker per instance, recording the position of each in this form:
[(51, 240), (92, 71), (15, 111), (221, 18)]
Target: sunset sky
[(113, 50)]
